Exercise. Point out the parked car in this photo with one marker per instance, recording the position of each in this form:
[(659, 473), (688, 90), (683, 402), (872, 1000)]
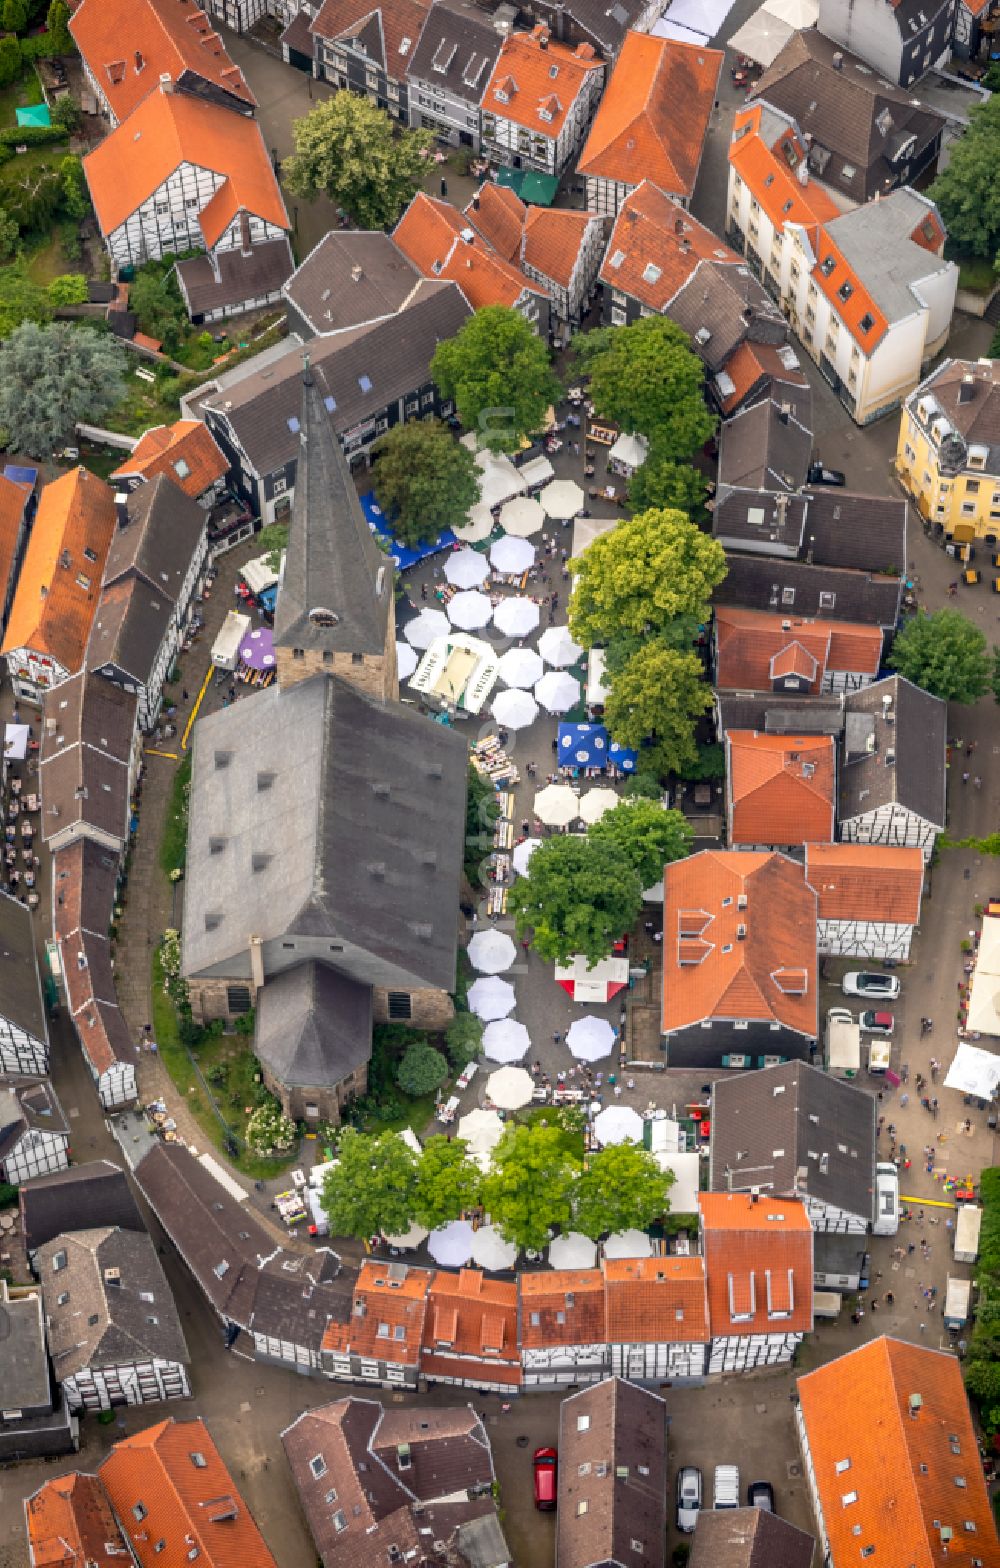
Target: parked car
[(876, 1023), (868, 982), (760, 1494), (819, 474), (546, 1466), (886, 1200), (688, 1498), (726, 1490)]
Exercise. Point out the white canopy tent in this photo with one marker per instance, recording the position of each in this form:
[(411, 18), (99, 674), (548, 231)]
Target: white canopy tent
[(617, 1124), (15, 742), (499, 480), (490, 1251), (451, 1245), (684, 1192), (523, 853), (797, 13), (762, 37), (506, 1040), (466, 568), (406, 660), (470, 610), (631, 451), (572, 1251), (984, 992), (426, 628), (490, 998), (512, 555), (520, 667), (515, 709), (481, 1130), (409, 1239), (628, 1244), (491, 952), (556, 805), (521, 517), (516, 617), (590, 1037), (596, 802), (974, 1071), (536, 471), (598, 984), (562, 498), (510, 1088), (479, 526), (557, 647), (557, 692)]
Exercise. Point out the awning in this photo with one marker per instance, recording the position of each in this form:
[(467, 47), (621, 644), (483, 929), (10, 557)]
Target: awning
[(403, 555), (15, 742), (583, 746), (974, 1071)]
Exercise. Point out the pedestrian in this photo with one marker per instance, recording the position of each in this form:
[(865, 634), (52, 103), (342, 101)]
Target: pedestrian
[(185, 695), (874, 1304), (556, 1037), (889, 1298), (965, 778), (855, 1318), (923, 1328), (977, 782)]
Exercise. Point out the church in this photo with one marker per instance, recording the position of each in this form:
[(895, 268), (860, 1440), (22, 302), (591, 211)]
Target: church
[(327, 819)]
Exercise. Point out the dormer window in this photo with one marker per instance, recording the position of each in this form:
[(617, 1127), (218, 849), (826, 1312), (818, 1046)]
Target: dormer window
[(324, 619)]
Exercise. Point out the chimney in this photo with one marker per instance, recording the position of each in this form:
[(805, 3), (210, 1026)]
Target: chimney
[(754, 1194), (121, 508), (782, 507), (357, 273), (679, 225), (783, 413), (246, 248), (838, 61), (256, 963), (166, 82), (475, 202)]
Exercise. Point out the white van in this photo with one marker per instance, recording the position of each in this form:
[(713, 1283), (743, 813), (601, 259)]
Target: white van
[(967, 1233), (886, 1201), (726, 1490)]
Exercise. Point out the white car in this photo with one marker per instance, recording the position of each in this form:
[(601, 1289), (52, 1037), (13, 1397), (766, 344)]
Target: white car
[(726, 1490), (688, 1498), (868, 982), (886, 1200)]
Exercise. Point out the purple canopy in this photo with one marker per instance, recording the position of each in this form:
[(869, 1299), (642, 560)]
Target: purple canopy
[(257, 650)]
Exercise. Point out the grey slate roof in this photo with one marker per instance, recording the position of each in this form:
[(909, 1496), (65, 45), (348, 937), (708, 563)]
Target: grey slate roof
[(20, 986), (627, 1428), (336, 590), (28, 1105), (456, 52), (605, 24), (728, 303), (242, 279), (314, 1026), (767, 447), (24, 1366), (875, 241), (779, 715), (793, 1129), (364, 811), (84, 1197), (160, 539), (758, 582), (84, 758), (748, 1538), (758, 521), (827, 527), (393, 355), (130, 624), (971, 407), (327, 291), (106, 1324), (853, 114), (449, 1449), (894, 751)]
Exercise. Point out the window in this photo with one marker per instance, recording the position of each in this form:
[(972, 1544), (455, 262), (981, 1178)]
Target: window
[(583, 1423), (82, 581), (972, 487), (160, 1546), (298, 653), (139, 1511), (848, 171), (62, 1298), (866, 323), (400, 1005), (89, 554), (827, 265), (636, 1546), (58, 1261), (827, 601), (339, 1520), (317, 1465), (357, 658), (238, 999), (199, 1461), (383, 1331), (399, 1332), (788, 595), (845, 291), (582, 1507), (331, 1496)]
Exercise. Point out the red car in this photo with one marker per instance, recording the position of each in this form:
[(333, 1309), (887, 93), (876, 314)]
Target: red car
[(545, 1462)]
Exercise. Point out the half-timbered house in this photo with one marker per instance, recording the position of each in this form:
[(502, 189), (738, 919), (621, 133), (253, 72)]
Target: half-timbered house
[(892, 770), (867, 899), (562, 1327), (657, 1316), (759, 1267), (24, 1036)]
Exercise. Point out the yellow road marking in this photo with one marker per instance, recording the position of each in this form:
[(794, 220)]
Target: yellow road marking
[(151, 751), (197, 704), (927, 1203)]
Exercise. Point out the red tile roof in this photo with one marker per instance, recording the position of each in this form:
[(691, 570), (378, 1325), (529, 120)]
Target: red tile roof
[(866, 882), (552, 240), (895, 1458), (748, 365), (654, 115), (187, 1503), (656, 1300), (710, 969), (169, 129), (70, 1525), (569, 1306), (536, 81), (471, 1316), (758, 1262), (750, 646), (185, 451), (655, 246), (399, 23), (387, 1321), (130, 44), (14, 498), (436, 238), (499, 213), (781, 787), (60, 580)]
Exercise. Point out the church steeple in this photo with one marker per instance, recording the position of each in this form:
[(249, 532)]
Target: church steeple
[(335, 610)]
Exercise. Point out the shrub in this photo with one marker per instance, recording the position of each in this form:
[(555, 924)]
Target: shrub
[(422, 1070), (269, 1131), (464, 1038)]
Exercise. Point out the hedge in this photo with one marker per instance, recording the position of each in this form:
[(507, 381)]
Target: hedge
[(32, 135)]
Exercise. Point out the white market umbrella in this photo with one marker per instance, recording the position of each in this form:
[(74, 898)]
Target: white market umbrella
[(596, 802), (515, 709), (522, 517), (562, 498), (509, 1088), (628, 1244), (470, 610), (406, 660), (512, 555), (557, 692), (523, 853), (490, 1251), (490, 997), (409, 1239), (426, 628), (618, 1124), (516, 617), (589, 1038), (557, 647), (491, 952), (506, 1040), (572, 1251), (479, 526), (481, 1130), (466, 568), (556, 805), (451, 1245), (520, 667)]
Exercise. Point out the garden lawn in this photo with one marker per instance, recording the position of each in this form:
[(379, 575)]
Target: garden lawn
[(17, 95), (976, 273), (416, 1113), (173, 844), (46, 260)]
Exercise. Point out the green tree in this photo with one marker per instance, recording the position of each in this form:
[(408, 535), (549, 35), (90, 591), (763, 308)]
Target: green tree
[(480, 817), (497, 372), (647, 379), (57, 23), (654, 706), (967, 192), (425, 481), (15, 15), (648, 571), (464, 1039), (51, 377), (710, 764), (21, 300), (10, 60), (66, 111), (70, 288), (662, 482), (371, 1189), (529, 1188), (32, 195), (156, 300), (945, 654), (647, 834), (10, 233), (75, 194), (273, 541), (622, 1188), (351, 151), (448, 1182), (579, 896), (421, 1070)]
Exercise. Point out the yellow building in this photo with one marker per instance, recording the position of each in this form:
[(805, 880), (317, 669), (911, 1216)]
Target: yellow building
[(949, 449)]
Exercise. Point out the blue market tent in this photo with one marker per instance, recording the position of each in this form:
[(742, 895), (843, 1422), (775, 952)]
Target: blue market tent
[(583, 746), (19, 475), (622, 758), (403, 555)]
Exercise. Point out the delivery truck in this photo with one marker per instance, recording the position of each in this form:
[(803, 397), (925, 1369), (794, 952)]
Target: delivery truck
[(843, 1043), (226, 647), (967, 1223), (956, 1304)]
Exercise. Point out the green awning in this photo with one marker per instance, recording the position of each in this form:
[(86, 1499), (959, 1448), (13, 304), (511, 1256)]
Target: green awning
[(34, 114), (537, 190)]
